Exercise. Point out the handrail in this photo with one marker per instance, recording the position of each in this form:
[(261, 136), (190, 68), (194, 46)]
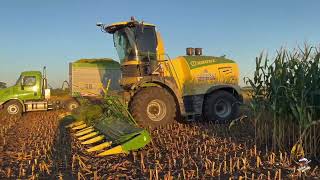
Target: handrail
[(177, 77)]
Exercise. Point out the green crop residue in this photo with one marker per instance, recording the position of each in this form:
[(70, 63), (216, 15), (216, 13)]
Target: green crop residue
[(105, 63)]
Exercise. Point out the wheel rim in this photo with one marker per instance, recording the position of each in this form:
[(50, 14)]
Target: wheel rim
[(222, 108), (156, 110), (73, 106), (13, 109)]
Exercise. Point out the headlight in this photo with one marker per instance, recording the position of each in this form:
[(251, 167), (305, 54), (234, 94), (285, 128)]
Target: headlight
[(35, 88)]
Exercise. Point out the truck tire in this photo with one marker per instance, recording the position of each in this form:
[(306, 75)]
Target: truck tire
[(221, 107), (71, 105), (13, 108), (152, 107)]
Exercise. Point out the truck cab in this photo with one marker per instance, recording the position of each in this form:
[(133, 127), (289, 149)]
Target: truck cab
[(29, 93)]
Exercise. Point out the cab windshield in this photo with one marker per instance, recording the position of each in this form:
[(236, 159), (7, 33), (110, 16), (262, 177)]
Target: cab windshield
[(124, 43), (136, 43), (18, 82)]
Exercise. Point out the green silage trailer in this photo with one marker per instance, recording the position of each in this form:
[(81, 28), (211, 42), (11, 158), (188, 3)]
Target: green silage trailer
[(87, 77)]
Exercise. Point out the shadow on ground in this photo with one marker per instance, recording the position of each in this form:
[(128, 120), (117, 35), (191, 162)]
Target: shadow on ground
[(62, 150)]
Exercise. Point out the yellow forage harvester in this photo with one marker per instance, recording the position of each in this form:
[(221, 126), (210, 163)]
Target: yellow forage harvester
[(114, 132)]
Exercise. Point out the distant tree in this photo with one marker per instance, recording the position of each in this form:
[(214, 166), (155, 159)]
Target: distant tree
[(3, 85)]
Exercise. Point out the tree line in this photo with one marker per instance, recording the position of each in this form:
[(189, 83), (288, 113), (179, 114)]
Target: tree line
[(3, 85)]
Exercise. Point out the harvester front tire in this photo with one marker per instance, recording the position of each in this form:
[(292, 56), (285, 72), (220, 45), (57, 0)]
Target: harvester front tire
[(153, 107), (13, 108), (221, 107)]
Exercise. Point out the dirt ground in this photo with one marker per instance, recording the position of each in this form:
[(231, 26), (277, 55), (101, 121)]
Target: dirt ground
[(38, 146)]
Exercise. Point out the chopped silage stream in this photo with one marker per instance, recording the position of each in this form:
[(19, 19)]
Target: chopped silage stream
[(39, 146)]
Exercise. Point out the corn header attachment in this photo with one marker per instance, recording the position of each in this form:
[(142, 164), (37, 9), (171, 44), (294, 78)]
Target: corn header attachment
[(114, 132)]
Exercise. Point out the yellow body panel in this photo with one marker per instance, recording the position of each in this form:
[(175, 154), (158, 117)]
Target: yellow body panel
[(160, 48), (193, 81), (197, 76), (130, 63), (126, 22), (179, 69)]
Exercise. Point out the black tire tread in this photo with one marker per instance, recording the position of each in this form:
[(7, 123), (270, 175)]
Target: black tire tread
[(208, 112), (138, 101)]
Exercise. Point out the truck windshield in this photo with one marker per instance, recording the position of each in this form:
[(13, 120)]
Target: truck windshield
[(136, 43), (19, 80)]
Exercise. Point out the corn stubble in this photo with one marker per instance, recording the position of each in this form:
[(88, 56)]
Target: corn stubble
[(27, 146), (38, 146)]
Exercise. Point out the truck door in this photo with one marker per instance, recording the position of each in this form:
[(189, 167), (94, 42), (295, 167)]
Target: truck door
[(28, 89)]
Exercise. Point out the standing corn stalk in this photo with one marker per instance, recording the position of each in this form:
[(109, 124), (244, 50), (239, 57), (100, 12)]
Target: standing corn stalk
[(288, 92)]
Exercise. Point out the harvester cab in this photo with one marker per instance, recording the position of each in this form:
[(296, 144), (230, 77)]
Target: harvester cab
[(137, 45), (161, 89)]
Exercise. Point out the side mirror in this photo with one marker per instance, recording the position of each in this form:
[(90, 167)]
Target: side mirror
[(99, 24), (142, 26)]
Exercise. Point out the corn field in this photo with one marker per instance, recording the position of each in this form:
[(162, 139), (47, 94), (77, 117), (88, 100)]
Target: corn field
[(286, 101), (38, 146)]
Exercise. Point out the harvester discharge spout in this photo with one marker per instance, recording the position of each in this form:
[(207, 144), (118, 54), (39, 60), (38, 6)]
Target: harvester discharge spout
[(113, 133)]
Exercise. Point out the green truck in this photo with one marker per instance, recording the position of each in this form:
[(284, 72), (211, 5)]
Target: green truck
[(30, 93), (86, 78)]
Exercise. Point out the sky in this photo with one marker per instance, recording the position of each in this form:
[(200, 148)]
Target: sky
[(37, 33)]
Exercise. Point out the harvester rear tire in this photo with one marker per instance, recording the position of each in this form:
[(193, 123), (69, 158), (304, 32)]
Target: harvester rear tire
[(221, 107), (13, 108), (153, 107)]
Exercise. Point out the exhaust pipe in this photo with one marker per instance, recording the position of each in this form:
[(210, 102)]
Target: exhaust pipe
[(198, 51), (189, 51), (44, 78)]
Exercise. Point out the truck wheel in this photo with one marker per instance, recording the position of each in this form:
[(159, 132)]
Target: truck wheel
[(152, 107), (221, 106), (71, 105), (13, 108)]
